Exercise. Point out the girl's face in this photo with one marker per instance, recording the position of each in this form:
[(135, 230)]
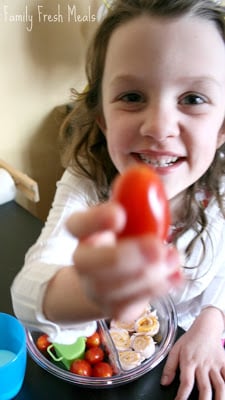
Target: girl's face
[(163, 97)]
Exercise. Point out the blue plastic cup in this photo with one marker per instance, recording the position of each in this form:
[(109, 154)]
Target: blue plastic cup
[(13, 356)]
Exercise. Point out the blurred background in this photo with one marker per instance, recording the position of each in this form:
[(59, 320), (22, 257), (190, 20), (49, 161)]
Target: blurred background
[(42, 46)]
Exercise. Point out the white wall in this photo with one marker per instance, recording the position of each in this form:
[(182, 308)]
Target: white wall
[(40, 61)]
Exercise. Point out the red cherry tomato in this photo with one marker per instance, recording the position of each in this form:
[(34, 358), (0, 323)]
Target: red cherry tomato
[(94, 355), (43, 342), (93, 340), (102, 370), (81, 367), (140, 191)]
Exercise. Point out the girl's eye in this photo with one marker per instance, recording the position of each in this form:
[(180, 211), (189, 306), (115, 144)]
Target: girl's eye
[(193, 99), (132, 98)]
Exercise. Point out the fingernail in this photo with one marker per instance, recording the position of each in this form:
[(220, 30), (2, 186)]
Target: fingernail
[(164, 380)]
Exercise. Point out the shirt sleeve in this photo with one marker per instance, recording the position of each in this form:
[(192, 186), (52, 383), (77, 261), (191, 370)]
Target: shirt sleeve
[(204, 276), (53, 250)]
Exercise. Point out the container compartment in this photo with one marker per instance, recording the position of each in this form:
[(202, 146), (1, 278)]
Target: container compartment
[(168, 325)]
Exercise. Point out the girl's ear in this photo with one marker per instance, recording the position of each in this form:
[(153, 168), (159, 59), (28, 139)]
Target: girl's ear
[(100, 120)]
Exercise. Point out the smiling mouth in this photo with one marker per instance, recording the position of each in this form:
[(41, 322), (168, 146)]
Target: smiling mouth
[(157, 162)]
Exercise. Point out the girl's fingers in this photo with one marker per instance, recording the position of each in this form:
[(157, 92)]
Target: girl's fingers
[(130, 311), (128, 292), (223, 372), (203, 382), (107, 216), (126, 257), (127, 272), (217, 382)]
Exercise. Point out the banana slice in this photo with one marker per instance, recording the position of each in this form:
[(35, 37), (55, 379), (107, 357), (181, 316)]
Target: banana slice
[(130, 359), (121, 338), (148, 324), (129, 326), (143, 344)]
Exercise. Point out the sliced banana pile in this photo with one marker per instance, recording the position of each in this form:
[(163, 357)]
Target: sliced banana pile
[(135, 341)]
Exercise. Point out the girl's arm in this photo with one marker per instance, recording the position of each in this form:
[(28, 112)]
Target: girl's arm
[(52, 251)]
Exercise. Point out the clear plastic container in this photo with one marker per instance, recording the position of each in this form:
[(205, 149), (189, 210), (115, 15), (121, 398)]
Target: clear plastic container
[(168, 326)]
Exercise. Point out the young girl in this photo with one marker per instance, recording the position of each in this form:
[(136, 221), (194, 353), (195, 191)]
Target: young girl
[(155, 95)]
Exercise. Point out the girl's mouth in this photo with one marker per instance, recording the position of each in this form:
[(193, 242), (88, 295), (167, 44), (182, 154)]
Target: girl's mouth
[(159, 161)]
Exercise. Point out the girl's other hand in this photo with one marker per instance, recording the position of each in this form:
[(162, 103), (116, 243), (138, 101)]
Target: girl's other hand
[(120, 276), (200, 357)]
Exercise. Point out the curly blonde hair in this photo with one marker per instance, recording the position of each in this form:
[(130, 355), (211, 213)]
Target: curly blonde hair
[(82, 142)]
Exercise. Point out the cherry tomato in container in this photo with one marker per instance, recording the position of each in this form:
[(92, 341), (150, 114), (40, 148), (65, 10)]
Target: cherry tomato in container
[(102, 370), (141, 192), (94, 355), (43, 342), (93, 340), (81, 367)]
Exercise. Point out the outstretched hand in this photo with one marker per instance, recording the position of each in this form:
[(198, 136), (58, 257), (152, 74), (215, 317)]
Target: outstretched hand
[(120, 276)]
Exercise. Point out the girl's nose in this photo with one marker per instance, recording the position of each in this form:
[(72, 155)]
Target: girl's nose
[(160, 123)]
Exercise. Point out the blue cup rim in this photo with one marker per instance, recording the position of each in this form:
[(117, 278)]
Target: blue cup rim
[(22, 329)]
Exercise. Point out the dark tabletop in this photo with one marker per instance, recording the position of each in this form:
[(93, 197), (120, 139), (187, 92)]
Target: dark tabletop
[(18, 231)]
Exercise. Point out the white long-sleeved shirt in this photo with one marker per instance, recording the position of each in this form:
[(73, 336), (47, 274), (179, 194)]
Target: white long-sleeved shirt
[(204, 285)]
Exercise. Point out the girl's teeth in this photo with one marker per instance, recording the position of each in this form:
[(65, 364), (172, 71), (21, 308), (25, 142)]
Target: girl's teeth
[(165, 162)]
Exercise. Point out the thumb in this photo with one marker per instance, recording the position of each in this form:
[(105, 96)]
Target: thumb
[(108, 216)]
